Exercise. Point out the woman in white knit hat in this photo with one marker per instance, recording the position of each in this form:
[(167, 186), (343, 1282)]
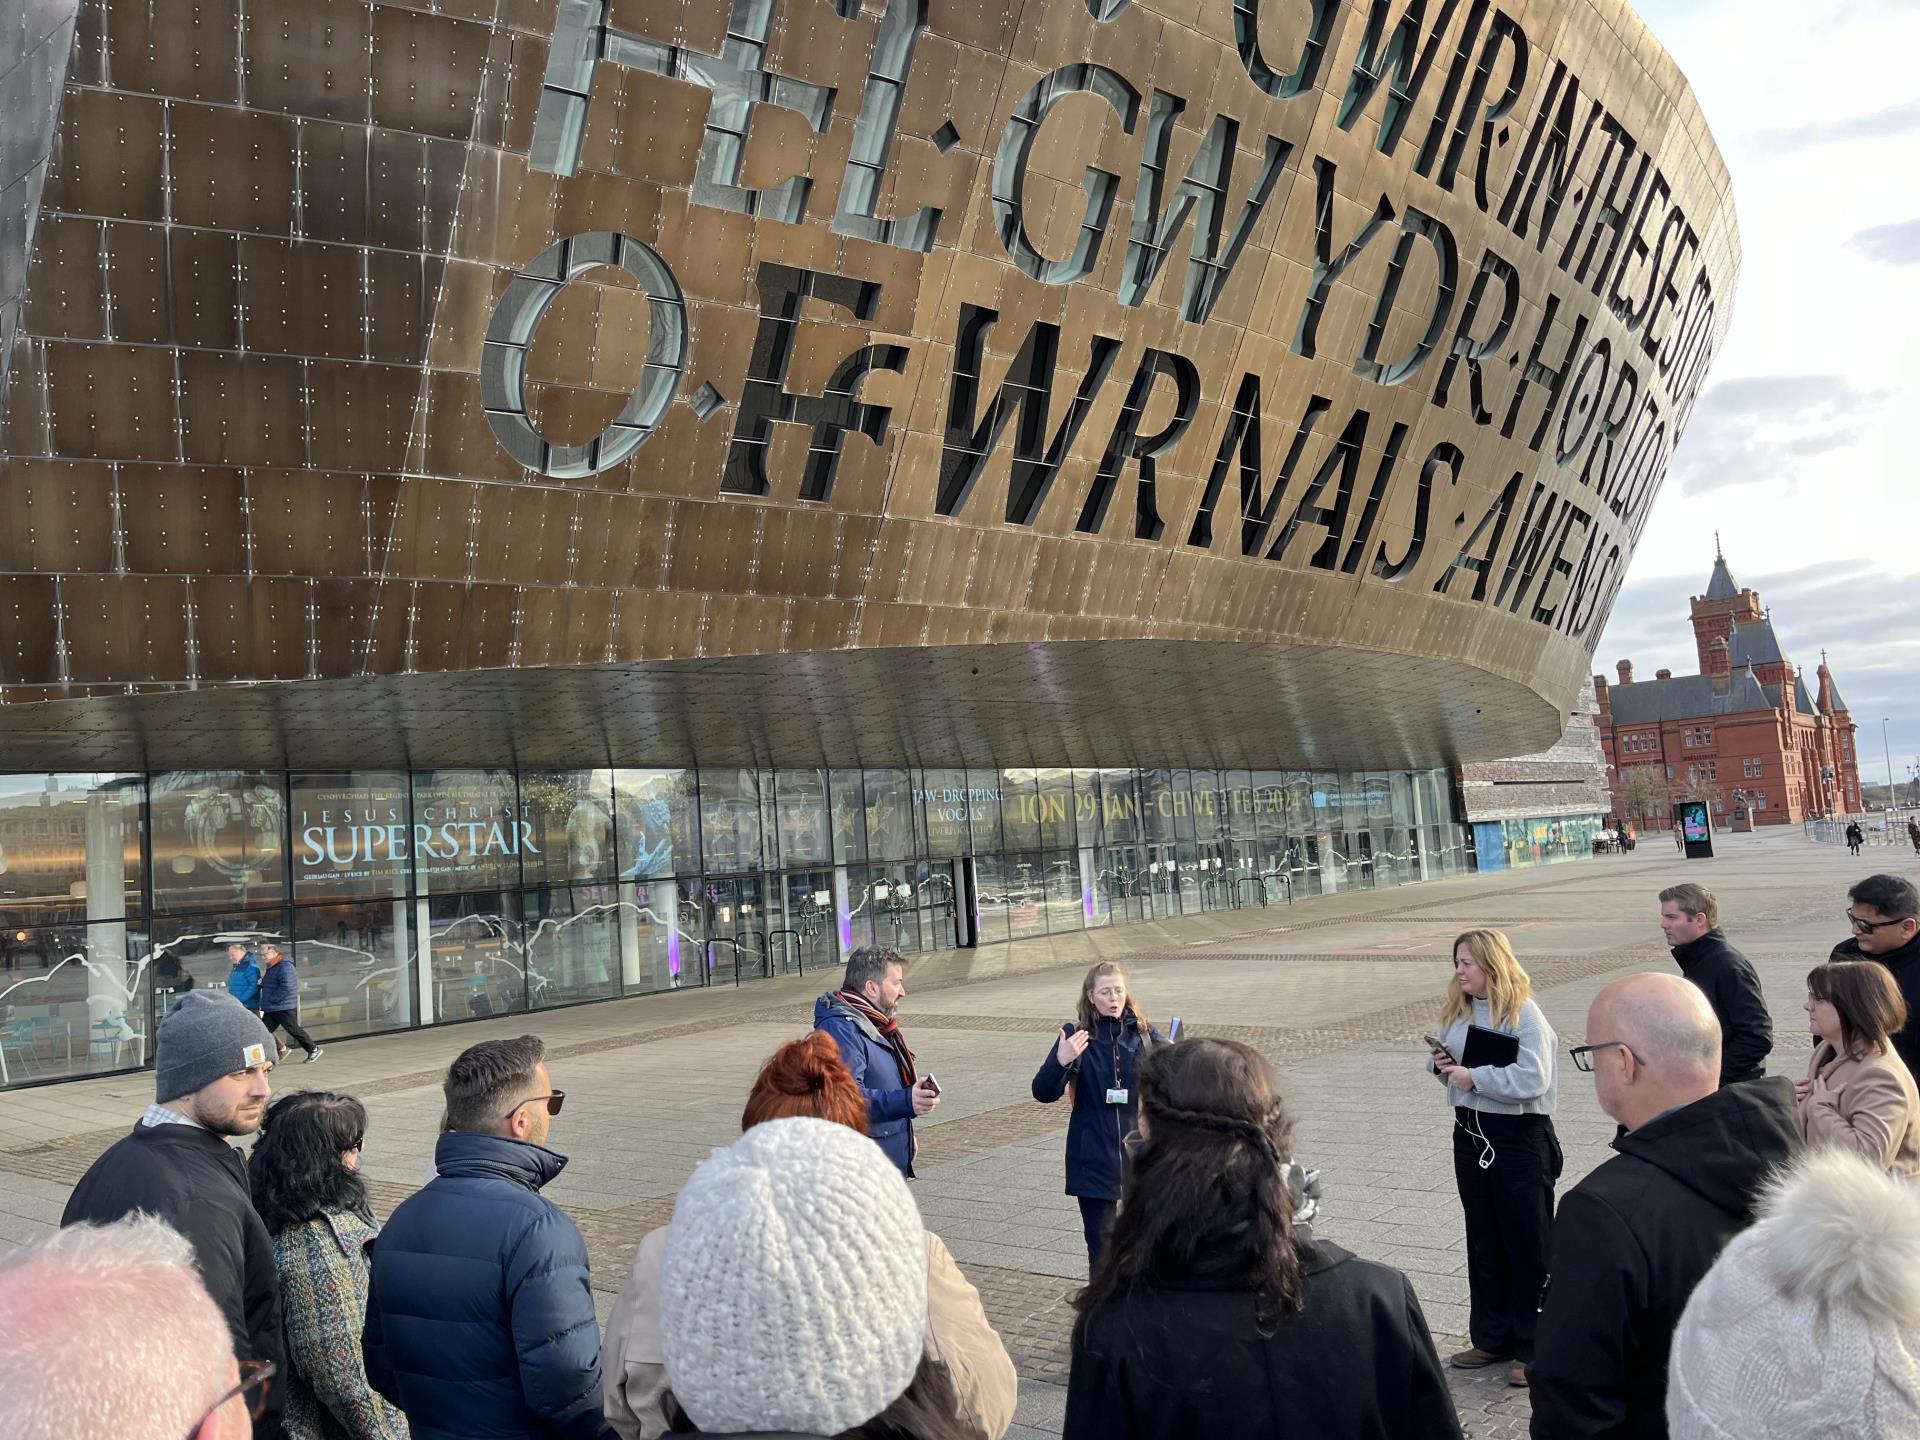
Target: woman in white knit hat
[(793, 1294), (1808, 1326)]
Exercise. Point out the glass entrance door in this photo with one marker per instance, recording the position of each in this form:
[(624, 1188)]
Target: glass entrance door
[(804, 936), (735, 922)]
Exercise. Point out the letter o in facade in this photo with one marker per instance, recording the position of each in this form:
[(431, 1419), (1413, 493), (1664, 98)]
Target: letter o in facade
[(516, 318)]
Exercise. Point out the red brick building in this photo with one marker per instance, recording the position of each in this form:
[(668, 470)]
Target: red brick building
[(1745, 734)]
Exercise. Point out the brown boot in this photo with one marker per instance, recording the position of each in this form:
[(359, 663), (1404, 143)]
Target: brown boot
[(1517, 1375), (1474, 1359)]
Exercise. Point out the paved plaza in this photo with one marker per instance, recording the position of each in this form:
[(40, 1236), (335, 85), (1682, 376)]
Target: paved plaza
[(1334, 991)]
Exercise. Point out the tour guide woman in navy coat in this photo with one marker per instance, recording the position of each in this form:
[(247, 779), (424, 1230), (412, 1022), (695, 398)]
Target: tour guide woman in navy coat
[(1099, 1060)]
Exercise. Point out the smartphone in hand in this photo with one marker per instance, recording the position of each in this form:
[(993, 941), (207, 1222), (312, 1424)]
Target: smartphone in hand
[(933, 1085)]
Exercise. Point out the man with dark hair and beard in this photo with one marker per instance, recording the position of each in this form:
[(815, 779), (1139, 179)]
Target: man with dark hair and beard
[(862, 1016), (210, 1064)]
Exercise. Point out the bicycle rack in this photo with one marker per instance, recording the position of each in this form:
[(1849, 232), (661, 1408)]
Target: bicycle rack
[(1240, 890), (707, 949), (754, 943), (799, 951)]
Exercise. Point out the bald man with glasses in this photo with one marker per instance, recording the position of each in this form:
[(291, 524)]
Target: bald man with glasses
[(1632, 1239), (480, 1317)]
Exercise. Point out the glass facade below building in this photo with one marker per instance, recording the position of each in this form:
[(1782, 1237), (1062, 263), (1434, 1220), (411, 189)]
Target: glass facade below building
[(426, 897), (1537, 840)]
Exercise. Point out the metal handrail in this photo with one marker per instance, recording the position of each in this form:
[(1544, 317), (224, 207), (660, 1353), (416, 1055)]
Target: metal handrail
[(799, 951)]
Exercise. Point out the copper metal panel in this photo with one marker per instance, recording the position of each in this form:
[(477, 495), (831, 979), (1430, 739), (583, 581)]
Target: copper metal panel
[(436, 338)]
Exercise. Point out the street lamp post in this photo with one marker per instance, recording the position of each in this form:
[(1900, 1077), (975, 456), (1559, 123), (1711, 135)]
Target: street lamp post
[(1889, 752)]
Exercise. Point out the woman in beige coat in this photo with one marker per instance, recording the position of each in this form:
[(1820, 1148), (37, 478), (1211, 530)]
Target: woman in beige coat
[(806, 1077), (1857, 1093)]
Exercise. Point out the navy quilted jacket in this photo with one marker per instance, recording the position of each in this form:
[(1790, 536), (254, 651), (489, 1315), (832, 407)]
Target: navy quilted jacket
[(480, 1322), (280, 986)]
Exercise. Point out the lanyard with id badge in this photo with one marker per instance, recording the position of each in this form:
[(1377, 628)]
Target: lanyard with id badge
[(1117, 1093)]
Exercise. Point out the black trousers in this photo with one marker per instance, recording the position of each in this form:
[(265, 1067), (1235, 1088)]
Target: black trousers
[(1508, 1204), (1095, 1217), (289, 1021)]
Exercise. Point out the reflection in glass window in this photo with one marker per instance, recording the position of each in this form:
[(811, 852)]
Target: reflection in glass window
[(849, 817), (800, 801), (1019, 810), (730, 820), (356, 966), (475, 960), (70, 848), (656, 823), (353, 836), (571, 818), (469, 829), (218, 839), (944, 806), (573, 944), (890, 834), (70, 1003)]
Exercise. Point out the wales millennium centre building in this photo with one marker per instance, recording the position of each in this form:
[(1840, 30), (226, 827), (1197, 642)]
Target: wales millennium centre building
[(535, 501)]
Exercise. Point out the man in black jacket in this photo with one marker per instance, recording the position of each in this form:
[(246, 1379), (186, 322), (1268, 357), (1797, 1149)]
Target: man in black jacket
[(210, 1063), (1884, 911), (1632, 1240), (1690, 919)]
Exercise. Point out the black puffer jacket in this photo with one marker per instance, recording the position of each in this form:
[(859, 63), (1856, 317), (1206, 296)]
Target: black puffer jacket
[(1905, 965), (1733, 989), (197, 1183), (1096, 1159), (1629, 1244)]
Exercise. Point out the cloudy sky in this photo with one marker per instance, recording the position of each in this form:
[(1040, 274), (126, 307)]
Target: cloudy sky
[(1801, 452)]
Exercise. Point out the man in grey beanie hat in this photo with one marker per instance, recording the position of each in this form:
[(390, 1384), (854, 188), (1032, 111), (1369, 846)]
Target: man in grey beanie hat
[(210, 1064)]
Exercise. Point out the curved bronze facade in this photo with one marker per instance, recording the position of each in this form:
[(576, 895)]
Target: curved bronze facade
[(783, 381)]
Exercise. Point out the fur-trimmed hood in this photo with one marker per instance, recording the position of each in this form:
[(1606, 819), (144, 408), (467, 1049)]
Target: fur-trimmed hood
[(1809, 1324)]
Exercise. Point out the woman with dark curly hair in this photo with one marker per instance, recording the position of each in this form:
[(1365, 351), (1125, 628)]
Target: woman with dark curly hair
[(1208, 1315), (305, 1174)]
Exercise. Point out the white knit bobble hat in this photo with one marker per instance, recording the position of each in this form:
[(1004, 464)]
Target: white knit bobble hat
[(794, 1288), (1809, 1324)]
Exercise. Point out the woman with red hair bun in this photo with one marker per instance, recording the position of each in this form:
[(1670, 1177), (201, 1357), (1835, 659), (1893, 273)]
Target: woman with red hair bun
[(806, 1077)]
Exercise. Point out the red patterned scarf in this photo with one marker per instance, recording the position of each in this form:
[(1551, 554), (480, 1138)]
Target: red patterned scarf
[(889, 1029)]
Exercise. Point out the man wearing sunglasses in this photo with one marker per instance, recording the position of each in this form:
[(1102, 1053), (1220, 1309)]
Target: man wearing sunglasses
[(480, 1317), (1883, 911)]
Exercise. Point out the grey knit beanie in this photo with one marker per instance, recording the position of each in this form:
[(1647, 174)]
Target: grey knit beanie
[(1809, 1323), (209, 1034), (793, 1293)]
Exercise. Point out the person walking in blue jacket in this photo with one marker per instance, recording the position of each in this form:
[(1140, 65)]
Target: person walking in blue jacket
[(862, 1016), (280, 1000), (1098, 1058), (243, 976), (480, 1321)]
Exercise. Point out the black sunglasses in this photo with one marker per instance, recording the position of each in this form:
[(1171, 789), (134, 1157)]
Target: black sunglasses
[(554, 1101), (1867, 927), (256, 1384)]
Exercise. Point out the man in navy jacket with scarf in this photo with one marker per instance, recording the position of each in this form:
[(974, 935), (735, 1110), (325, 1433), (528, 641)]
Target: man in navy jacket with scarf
[(862, 1017)]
